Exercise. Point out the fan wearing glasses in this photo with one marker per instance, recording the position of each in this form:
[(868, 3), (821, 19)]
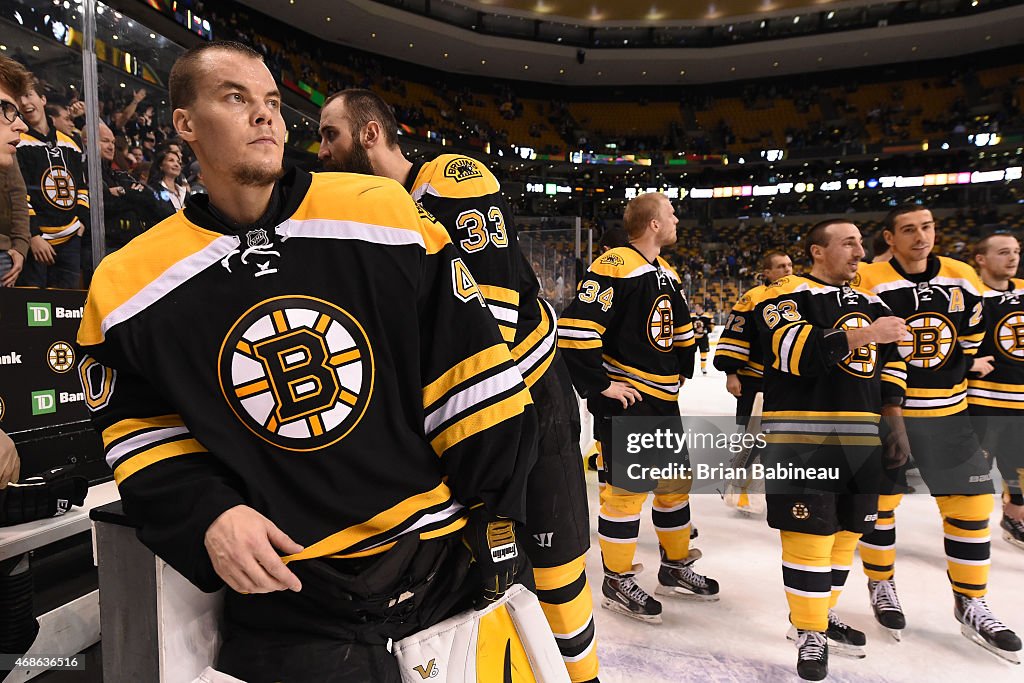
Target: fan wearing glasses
[(14, 232)]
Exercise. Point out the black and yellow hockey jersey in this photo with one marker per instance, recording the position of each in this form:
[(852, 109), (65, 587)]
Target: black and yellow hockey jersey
[(944, 310), (1003, 388), (630, 323), (466, 198), (54, 169), (815, 388), (333, 367), (702, 325), (739, 347)]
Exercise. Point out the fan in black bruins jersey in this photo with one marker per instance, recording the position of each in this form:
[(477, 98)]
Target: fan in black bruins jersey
[(628, 342), (302, 366), (359, 134), (828, 378), (940, 298), (995, 394)]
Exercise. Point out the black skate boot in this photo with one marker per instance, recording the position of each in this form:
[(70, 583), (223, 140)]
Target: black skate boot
[(812, 655), (886, 605), (979, 625), (622, 594), (1013, 531), (677, 579), (843, 639)]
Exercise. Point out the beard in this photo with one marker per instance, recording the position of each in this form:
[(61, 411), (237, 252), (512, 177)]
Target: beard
[(253, 175), (355, 161)]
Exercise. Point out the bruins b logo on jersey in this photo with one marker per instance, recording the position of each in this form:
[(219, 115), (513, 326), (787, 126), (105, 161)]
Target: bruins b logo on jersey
[(931, 343), (1009, 336), (659, 324), (861, 361), (58, 187), (462, 169), (297, 371)]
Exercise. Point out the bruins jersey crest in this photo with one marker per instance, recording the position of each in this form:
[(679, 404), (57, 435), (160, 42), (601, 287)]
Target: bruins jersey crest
[(462, 168), (58, 187), (659, 324), (1009, 336), (612, 260), (861, 361), (297, 371), (932, 339)]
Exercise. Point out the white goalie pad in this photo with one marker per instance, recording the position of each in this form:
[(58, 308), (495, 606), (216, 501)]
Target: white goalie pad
[(508, 641)]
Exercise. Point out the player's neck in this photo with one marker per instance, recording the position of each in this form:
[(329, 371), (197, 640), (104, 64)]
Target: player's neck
[(818, 273), (1000, 284), (242, 204), (911, 267), (394, 166), (648, 247)]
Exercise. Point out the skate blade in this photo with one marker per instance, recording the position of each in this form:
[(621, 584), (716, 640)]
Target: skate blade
[(897, 634), (683, 594), (1017, 543), (613, 606), (975, 638)]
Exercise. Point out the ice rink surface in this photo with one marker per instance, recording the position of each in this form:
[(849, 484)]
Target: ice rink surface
[(742, 636)]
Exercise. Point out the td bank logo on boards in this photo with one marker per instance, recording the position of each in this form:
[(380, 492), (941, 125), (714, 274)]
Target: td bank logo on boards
[(43, 314), (46, 401)]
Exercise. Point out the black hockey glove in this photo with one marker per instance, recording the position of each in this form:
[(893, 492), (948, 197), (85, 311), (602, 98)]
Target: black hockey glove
[(49, 495), (492, 542)]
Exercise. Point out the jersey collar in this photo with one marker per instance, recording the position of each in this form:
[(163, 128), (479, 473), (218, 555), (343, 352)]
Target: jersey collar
[(288, 194)]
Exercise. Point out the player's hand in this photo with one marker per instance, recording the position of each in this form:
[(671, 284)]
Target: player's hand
[(42, 251), (241, 544), (732, 385), (896, 448), (624, 393), (889, 329), (982, 366), (10, 464), (492, 542), (17, 263)]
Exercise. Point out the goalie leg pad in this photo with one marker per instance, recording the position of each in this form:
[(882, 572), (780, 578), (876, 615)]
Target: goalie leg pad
[(508, 641)]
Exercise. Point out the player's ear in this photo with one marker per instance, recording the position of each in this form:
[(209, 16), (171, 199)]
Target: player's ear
[(372, 135)]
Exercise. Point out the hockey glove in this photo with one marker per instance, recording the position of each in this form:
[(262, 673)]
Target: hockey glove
[(49, 495), (492, 542)]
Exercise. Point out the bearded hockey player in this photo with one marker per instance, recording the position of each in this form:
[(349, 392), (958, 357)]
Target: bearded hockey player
[(359, 134)]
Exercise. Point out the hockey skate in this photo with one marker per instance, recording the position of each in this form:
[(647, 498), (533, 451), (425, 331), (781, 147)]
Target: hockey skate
[(843, 639), (812, 655), (677, 579), (886, 605), (1013, 531), (978, 624), (622, 594)]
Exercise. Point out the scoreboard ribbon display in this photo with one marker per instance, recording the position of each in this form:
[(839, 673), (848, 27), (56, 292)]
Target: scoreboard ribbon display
[(39, 384)]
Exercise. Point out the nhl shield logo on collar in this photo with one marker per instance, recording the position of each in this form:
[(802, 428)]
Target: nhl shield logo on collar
[(257, 238)]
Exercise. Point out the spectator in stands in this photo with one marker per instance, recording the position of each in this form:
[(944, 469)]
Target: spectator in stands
[(53, 166), (129, 207), (165, 179), (14, 223), (63, 116), (123, 160), (121, 118)]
